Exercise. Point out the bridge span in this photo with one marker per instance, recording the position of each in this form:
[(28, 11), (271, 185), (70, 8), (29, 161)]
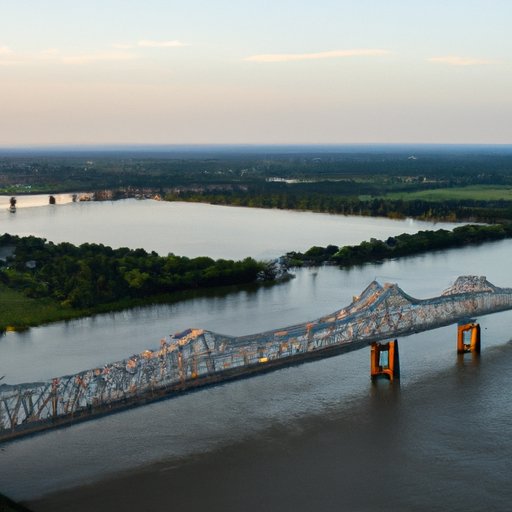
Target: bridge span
[(196, 358)]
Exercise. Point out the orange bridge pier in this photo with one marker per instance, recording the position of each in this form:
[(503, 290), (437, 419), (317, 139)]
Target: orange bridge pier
[(384, 360), (468, 338)]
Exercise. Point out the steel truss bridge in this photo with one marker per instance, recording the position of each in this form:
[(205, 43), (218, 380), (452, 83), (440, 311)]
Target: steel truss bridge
[(196, 357)]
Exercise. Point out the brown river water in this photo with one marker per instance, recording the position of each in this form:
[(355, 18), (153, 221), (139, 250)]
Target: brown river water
[(317, 436)]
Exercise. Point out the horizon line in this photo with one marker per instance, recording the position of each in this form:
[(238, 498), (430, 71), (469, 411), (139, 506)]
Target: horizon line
[(238, 144)]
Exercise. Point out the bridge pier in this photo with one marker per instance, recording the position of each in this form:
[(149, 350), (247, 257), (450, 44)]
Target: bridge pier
[(385, 360), (468, 338)]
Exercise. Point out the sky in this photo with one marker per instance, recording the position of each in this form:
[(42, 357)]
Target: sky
[(255, 72)]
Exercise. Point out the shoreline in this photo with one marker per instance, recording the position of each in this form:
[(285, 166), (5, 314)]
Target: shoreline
[(164, 195), (105, 309), (278, 271)]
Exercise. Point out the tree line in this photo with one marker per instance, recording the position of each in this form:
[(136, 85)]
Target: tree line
[(91, 274), (66, 280), (345, 171), (323, 202), (399, 246)]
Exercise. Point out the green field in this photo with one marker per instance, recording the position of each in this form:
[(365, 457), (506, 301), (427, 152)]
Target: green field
[(476, 192), (18, 311)]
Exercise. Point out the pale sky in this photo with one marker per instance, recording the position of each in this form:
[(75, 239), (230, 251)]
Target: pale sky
[(256, 72)]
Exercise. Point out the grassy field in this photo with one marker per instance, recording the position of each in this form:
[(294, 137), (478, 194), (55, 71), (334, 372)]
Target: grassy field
[(477, 192), (18, 311)]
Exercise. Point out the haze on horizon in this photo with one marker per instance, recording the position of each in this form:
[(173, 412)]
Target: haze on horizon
[(245, 72)]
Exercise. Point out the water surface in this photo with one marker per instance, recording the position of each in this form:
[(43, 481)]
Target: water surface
[(190, 229), (317, 436)]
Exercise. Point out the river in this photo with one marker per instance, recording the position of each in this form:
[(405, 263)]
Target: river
[(189, 229), (318, 436)]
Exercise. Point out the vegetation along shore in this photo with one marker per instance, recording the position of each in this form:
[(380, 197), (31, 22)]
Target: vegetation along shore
[(42, 282)]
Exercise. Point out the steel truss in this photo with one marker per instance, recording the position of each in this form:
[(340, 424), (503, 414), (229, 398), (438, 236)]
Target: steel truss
[(380, 312)]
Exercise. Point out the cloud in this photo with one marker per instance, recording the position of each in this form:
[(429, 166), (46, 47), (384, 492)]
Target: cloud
[(7, 57), (121, 46), (160, 44), (333, 54), (53, 55), (48, 54), (87, 58), (454, 60), (146, 43)]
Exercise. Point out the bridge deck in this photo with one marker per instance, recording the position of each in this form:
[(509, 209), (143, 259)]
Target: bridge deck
[(196, 358)]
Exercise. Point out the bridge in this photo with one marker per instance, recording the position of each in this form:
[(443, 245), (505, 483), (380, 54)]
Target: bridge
[(196, 358)]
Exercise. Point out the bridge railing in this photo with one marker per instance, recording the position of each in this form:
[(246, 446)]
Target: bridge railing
[(196, 355)]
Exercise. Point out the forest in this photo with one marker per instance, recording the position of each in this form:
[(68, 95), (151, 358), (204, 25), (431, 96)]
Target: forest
[(312, 199), (387, 181), (399, 246), (347, 170), (91, 274)]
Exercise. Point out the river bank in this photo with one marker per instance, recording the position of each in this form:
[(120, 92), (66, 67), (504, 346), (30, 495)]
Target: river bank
[(186, 229), (22, 308), (464, 204), (20, 312)]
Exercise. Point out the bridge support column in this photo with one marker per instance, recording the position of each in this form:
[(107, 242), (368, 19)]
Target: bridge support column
[(385, 361), (468, 338)]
